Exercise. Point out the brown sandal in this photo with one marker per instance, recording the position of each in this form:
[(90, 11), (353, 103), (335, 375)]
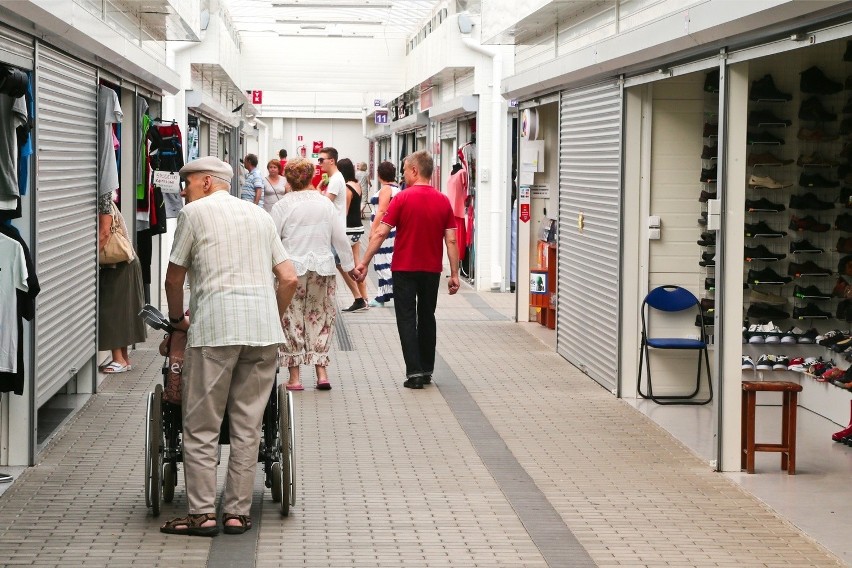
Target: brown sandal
[(192, 525), (245, 523)]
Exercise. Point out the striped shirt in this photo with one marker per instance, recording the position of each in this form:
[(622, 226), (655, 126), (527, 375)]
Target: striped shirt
[(229, 247)]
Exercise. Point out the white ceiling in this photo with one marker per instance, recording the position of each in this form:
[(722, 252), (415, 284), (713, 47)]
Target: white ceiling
[(379, 19)]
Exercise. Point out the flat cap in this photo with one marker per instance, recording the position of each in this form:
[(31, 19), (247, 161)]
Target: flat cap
[(210, 165)]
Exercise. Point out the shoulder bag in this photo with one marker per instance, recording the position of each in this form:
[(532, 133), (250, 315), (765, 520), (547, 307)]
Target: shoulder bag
[(117, 247)]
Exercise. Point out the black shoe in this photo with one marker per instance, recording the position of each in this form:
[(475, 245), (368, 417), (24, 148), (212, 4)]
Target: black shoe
[(808, 224), (766, 311), (843, 223), (413, 383), (359, 305), (810, 311), (812, 109), (762, 138), (711, 82), (711, 130), (804, 246), (760, 252), (765, 205), (764, 90), (814, 81), (710, 284), (708, 152), (809, 201), (762, 230), (766, 118), (708, 239), (816, 181), (810, 292), (703, 219), (708, 175), (707, 259), (766, 276), (427, 379), (809, 268)]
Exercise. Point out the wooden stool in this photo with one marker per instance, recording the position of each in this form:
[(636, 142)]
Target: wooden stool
[(787, 447)]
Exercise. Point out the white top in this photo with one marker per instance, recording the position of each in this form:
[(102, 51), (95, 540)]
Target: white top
[(308, 225), (229, 247), (273, 193), (13, 276), (109, 112), (337, 187)]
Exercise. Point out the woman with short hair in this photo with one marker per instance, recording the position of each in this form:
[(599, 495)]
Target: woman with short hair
[(274, 185)]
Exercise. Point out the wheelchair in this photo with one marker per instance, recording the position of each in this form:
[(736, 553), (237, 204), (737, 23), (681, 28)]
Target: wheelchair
[(164, 448)]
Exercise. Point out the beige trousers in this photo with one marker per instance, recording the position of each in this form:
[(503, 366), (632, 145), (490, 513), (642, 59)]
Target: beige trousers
[(239, 377)]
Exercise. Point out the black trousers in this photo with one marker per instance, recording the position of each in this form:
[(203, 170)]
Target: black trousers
[(415, 296)]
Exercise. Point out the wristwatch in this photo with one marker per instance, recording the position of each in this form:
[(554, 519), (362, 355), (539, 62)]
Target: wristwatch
[(177, 320)]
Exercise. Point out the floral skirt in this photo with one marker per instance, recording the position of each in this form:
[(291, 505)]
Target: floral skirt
[(309, 322)]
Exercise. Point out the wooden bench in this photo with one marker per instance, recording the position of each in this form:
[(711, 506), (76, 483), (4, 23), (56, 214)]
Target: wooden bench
[(787, 447)]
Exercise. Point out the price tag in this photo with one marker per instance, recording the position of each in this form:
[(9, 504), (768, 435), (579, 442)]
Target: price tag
[(168, 182)]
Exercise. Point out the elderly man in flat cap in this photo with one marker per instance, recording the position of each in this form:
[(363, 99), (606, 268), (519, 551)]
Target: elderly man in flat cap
[(233, 256)]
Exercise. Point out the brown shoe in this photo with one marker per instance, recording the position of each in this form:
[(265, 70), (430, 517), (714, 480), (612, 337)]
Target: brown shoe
[(766, 159), (813, 135)]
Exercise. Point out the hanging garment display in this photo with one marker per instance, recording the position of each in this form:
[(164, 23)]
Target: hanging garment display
[(457, 194), (13, 113), (13, 276), (166, 152), (143, 166), (109, 113), (25, 144)]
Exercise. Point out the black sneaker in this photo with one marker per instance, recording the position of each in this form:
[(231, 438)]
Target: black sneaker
[(413, 382), (843, 223), (711, 82), (707, 259), (810, 311), (762, 230), (816, 181), (812, 109), (359, 305), (760, 252), (809, 201), (708, 239), (766, 118), (703, 219), (766, 276), (705, 195), (804, 246), (710, 152), (763, 138), (708, 175), (763, 204), (710, 284), (810, 292), (764, 90), (766, 311), (814, 81)]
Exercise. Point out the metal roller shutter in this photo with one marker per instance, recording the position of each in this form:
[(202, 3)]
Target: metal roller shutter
[(449, 130), (214, 139), (16, 48), (66, 219), (589, 259)]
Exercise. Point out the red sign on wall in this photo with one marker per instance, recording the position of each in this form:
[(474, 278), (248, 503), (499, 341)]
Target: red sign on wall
[(318, 145), (525, 212), (257, 97)]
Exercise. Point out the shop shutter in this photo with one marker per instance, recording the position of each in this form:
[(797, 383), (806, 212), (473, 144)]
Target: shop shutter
[(589, 259), (66, 219), (449, 130), (16, 48), (214, 139)]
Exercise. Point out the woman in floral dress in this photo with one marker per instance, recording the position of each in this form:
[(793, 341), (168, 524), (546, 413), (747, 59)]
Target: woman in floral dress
[(308, 225)]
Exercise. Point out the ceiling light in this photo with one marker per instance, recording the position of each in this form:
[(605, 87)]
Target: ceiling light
[(312, 27), (311, 4), (328, 35), (359, 22)]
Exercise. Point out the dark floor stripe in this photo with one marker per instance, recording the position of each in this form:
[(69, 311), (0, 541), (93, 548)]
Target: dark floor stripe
[(341, 331), (239, 550), (477, 302), (548, 531)]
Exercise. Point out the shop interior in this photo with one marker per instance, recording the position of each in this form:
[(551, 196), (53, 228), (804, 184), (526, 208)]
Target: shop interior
[(789, 193)]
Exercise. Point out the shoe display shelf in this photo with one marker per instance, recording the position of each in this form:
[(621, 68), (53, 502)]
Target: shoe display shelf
[(707, 181)]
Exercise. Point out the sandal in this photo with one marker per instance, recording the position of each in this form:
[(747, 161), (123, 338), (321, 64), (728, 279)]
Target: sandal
[(104, 365), (296, 387), (191, 525), (114, 367), (323, 385), (245, 523)]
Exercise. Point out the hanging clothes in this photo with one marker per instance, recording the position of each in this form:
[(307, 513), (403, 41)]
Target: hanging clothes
[(166, 153), (457, 194), (13, 113), (109, 113), (24, 307), (143, 167), (25, 142)]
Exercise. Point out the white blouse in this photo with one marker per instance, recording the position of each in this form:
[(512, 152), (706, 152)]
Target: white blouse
[(309, 226)]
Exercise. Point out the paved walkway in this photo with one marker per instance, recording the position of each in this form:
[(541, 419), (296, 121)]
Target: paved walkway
[(512, 458)]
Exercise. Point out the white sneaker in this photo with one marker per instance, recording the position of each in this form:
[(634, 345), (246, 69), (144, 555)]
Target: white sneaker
[(755, 337), (773, 333)]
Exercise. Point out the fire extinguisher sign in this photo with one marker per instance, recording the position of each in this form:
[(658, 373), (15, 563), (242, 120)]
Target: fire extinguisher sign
[(317, 146)]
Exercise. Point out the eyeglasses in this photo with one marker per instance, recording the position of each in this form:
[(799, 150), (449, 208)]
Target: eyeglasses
[(321, 160)]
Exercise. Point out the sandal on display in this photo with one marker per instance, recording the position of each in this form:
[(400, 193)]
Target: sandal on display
[(245, 523), (297, 387), (191, 525), (323, 385), (114, 367)]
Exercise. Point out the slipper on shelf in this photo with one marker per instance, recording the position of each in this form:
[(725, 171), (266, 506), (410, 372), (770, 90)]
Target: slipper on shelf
[(114, 368), (323, 385), (298, 387)]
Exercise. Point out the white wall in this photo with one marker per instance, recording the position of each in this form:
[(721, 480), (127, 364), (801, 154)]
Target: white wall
[(345, 135)]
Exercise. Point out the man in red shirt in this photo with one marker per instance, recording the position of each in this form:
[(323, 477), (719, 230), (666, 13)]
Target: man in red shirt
[(423, 219)]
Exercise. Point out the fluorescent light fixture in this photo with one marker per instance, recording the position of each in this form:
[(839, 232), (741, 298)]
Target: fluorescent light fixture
[(358, 21), (312, 27), (312, 4), (328, 35)]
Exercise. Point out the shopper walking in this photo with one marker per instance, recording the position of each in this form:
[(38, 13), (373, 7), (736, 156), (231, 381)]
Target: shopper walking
[(308, 226), (335, 190), (252, 188), (423, 219), (382, 261), (354, 226), (231, 252), (274, 185)]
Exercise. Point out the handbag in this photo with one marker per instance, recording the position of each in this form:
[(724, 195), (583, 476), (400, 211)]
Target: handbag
[(117, 247)]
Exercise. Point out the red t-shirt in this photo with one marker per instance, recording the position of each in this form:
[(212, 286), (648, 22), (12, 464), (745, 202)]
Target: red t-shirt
[(420, 214)]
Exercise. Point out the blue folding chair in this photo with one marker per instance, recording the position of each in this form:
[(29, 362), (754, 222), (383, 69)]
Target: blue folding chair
[(671, 298)]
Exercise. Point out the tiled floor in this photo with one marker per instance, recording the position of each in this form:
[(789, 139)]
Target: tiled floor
[(508, 454)]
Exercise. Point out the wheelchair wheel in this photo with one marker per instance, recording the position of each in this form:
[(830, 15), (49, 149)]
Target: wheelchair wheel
[(286, 447), (154, 450), (276, 482), (169, 482)]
